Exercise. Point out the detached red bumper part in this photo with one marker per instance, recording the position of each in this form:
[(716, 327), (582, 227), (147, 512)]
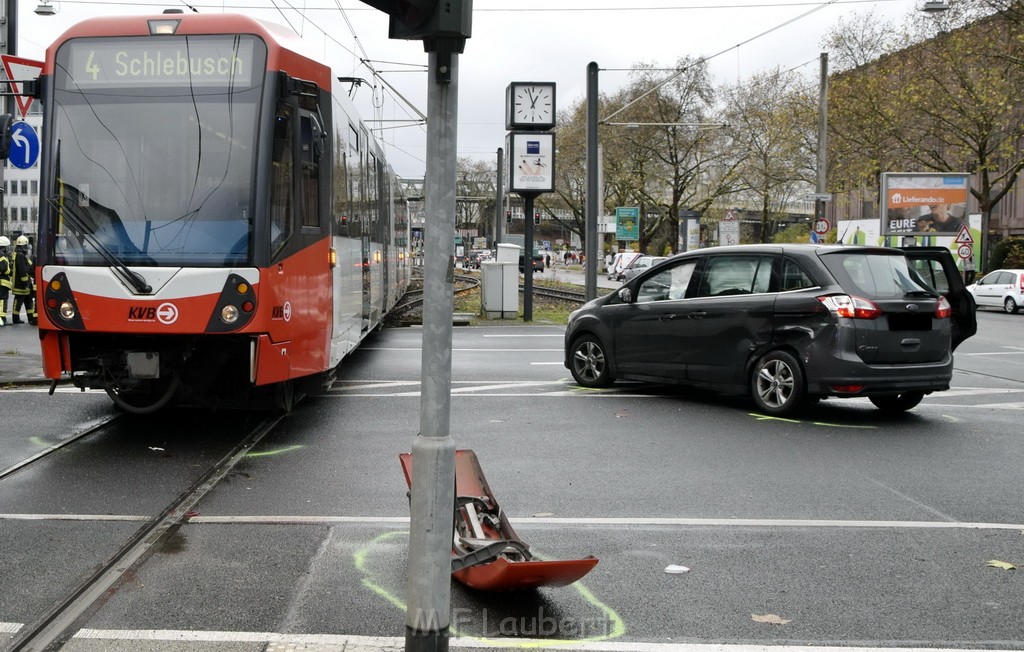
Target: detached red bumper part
[(487, 554)]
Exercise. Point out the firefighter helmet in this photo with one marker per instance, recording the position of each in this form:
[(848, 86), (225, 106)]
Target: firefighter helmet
[(22, 240), (5, 241)]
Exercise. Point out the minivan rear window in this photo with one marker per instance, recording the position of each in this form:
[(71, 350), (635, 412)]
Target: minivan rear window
[(874, 276)]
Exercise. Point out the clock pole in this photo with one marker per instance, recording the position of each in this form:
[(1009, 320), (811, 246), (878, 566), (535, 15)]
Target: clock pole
[(528, 198), (530, 114)]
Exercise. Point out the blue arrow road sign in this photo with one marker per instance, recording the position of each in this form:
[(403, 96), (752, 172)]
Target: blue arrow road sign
[(24, 150)]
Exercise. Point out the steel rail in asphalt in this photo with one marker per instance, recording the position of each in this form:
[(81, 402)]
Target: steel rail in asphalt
[(55, 624), (58, 446)]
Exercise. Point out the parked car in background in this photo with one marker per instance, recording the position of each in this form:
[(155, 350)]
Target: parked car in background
[(620, 262), (474, 257), (538, 262), (640, 264), (787, 324), (1003, 288)]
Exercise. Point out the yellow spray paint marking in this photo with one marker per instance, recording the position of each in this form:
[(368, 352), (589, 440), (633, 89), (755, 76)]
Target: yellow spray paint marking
[(40, 442), (765, 417), (276, 451), (617, 630)]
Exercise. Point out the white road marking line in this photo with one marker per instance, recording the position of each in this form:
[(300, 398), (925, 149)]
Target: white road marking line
[(74, 517), (515, 384), (975, 391), (10, 628), (595, 393), (991, 353), (476, 350), (631, 393), (559, 335), (394, 643), (554, 520)]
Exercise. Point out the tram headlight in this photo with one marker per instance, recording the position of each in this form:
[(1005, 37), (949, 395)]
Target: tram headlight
[(229, 314), (67, 310)]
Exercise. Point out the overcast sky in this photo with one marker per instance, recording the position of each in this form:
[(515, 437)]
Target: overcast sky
[(516, 40)]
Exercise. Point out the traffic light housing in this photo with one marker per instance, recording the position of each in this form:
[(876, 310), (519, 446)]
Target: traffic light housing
[(508, 217), (428, 20), (536, 217), (6, 121), (442, 25)]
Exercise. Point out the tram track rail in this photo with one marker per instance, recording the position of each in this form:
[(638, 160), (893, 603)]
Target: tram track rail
[(14, 468), (59, 622), (413, 299)]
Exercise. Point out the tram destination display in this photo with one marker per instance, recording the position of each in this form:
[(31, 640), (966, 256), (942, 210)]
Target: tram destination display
[(171, 61)]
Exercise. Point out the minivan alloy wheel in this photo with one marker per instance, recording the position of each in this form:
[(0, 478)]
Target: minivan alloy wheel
[(589, 364), (778, 383)]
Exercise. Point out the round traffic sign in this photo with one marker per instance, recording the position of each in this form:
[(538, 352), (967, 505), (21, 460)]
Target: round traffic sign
[(964, 251), (821, 226), (24, 150)]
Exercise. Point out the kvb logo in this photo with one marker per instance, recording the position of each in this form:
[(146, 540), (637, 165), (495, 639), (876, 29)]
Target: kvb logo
[(165, 313)]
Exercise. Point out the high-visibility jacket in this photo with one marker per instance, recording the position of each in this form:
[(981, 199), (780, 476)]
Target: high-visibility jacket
[(24, 270), (6, 275)]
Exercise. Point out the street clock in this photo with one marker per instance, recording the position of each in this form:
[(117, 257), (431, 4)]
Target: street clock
[(530, 105)]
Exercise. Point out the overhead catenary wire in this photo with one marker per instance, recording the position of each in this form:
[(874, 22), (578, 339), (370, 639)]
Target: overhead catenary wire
[(572, 9), (717, 54)]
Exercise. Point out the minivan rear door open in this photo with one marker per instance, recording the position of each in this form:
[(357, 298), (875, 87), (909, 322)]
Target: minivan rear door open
[(936, 266)]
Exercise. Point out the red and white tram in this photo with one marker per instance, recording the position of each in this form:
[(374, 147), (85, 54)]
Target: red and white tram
[(216, 226)]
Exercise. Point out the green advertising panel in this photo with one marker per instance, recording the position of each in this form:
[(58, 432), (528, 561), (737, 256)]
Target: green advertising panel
[(627, 223)]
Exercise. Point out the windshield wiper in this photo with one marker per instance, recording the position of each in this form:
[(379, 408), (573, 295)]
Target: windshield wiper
[(919, 293), (136, 280)]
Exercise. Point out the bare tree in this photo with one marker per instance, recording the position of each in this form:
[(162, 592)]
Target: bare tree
[(769, 117)]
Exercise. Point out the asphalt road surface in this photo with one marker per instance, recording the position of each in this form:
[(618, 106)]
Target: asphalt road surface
[(843, 527)]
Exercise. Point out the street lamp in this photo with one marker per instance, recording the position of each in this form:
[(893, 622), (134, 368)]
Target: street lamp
[(45, 9), (935, 6)]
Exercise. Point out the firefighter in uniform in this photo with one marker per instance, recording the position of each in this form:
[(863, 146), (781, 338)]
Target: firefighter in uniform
[(6, 273), (23, 285)]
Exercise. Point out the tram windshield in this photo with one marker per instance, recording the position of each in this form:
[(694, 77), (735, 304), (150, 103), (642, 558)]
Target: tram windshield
[(154, 149)]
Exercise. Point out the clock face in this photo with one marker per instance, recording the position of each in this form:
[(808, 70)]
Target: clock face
[(531, 105)]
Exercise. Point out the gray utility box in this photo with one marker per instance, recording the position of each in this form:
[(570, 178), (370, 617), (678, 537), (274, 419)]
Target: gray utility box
[(500, 289)]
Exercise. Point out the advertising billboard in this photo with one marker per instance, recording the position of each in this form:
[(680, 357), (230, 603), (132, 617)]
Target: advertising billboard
[(924, 203), (531, 161)]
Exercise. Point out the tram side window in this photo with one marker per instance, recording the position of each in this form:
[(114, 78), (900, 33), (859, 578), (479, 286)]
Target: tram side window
[(372, 197), (310, 170), (355, 177), (281, 179), (340, 186)]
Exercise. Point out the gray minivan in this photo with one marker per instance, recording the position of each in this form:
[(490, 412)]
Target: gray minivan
[(787, 324)]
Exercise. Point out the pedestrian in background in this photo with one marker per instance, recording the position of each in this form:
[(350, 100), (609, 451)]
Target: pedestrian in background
[(6, 274), (23, 285)]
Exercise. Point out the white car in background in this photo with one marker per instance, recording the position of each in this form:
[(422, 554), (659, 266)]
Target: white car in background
[(620, 263), (1003, 288), (640, 264)]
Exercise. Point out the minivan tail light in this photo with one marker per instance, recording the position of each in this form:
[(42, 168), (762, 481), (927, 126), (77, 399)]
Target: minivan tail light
[(943, 310), (844, 305), (1022, 282)]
